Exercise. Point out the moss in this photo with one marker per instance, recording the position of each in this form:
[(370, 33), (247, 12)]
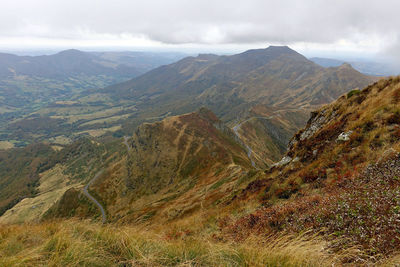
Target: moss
[(352, 93)]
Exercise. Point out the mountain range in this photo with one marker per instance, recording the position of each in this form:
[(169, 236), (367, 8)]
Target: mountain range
[(273, 90), (28, 83), (211, 153)]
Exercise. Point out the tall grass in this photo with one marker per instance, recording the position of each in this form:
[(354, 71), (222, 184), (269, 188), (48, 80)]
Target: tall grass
[(79, 243)]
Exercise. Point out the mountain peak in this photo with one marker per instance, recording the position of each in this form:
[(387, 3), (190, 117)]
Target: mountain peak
[(280, 48), (345, 66), (207, 56), (272, 52), (71, 52), (208, 115)]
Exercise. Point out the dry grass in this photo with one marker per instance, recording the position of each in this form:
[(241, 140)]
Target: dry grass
[(6, 145), (80, 243)]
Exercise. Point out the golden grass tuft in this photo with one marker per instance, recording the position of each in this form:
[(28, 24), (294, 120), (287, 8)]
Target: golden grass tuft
[(80, 243)]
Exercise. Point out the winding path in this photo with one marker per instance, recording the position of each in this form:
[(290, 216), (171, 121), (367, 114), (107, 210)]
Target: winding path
[(97, 203), (85, 191)]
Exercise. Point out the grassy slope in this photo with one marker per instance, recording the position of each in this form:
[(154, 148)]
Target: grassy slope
[(326, 187), (80, 243)]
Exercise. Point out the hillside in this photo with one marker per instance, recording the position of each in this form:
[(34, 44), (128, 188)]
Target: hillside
[(339, 177)]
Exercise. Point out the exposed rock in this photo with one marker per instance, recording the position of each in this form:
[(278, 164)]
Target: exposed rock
[(285, 160), (344, 136), (315, 125)]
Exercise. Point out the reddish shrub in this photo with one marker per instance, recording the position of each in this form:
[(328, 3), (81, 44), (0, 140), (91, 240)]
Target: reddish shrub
[(396, 96)]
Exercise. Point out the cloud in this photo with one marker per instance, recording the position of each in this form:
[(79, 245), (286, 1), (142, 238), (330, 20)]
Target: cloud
[(203, 22)]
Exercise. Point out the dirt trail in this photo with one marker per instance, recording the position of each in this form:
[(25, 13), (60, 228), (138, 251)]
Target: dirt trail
[(86, 192)]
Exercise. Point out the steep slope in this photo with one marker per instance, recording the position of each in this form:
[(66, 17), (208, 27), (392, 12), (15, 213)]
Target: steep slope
[(335, 194), (175, 167), (339, 176)]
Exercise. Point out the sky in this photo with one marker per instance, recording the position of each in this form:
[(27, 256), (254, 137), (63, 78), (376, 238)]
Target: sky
[(351, 28)]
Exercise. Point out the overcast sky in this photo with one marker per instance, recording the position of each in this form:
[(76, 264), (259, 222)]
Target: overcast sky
[(348, 27)]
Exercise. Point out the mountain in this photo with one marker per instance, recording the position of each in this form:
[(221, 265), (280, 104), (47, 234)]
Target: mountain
[(73, 62), (28, 83), (327, 62), (364, 66), (275, 76), (61, 65)]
